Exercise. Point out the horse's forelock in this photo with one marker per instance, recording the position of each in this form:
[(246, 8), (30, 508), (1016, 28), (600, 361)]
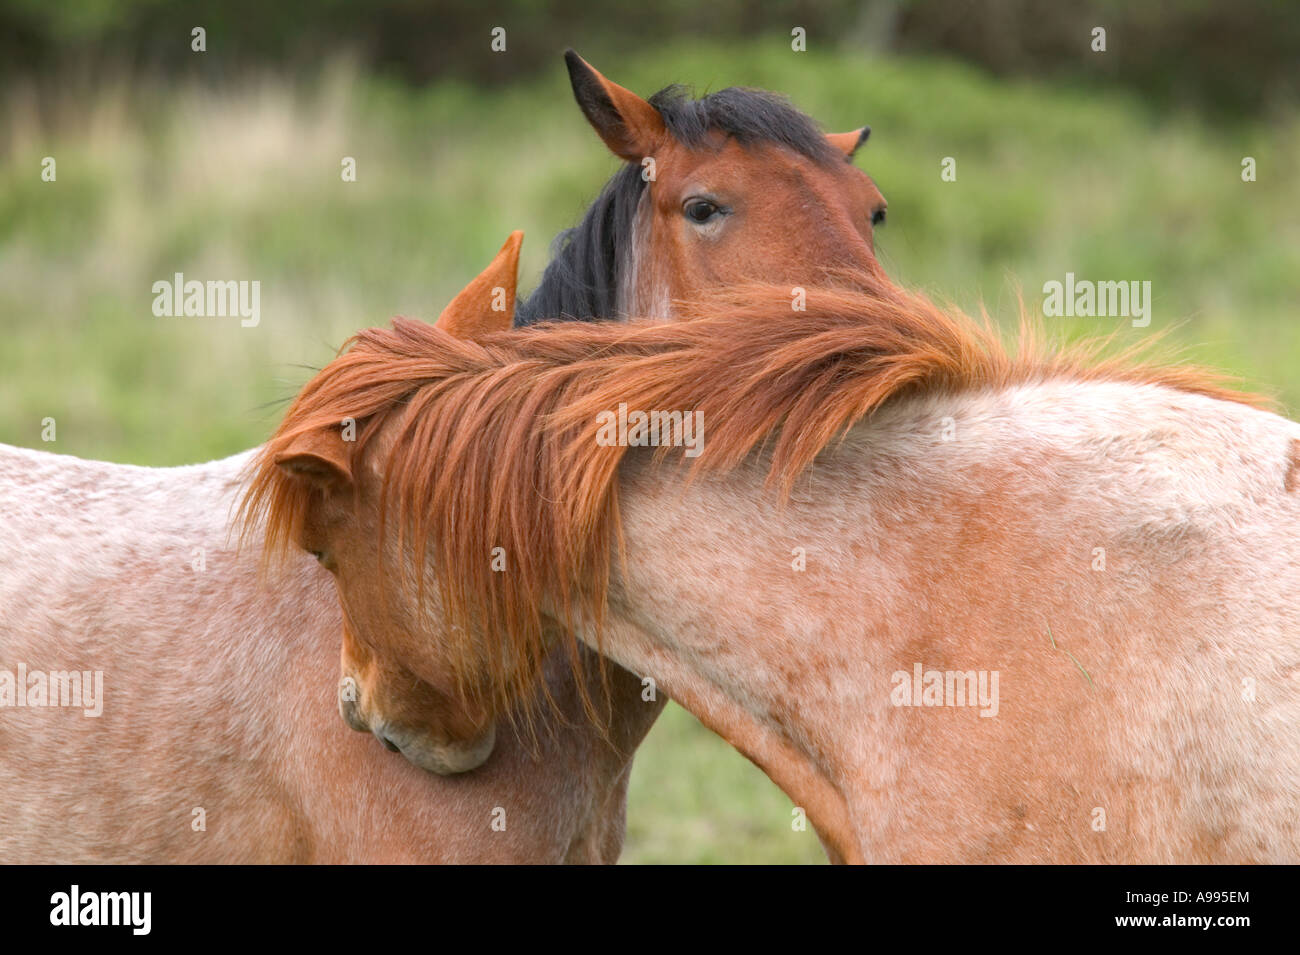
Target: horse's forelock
[(750, 116)]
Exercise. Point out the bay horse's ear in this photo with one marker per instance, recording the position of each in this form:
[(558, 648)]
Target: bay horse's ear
[(319, 457), (630, 127), (849, 143), (486, 304)]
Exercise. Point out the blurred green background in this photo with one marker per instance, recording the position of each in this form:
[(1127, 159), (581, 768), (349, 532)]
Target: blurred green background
[(226, 164)]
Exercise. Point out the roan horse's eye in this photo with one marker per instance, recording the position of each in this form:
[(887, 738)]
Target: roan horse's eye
[(701, 210), (878, 217)]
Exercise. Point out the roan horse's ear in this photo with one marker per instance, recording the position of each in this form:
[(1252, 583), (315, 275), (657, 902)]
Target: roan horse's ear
[(630, 127), (849, 143), (486, 304), (319, 457)]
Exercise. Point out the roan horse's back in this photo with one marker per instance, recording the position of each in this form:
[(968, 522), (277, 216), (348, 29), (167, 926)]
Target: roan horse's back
[(1127, 557), (1117, 564), (217, 737), (1139, 587), (105, 570)]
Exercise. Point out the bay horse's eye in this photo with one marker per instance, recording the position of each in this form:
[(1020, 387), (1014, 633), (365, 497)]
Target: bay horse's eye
[(701, 210), (878, 217)]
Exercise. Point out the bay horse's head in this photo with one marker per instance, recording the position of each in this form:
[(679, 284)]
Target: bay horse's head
[(322, 484), (736, 186)]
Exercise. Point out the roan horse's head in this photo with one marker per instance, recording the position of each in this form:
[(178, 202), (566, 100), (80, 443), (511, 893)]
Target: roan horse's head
[(325, 493), (736, 186)]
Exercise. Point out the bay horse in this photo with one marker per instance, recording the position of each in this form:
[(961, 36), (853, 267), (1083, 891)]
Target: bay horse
[(960, 603), (712, 191), (206, 671)]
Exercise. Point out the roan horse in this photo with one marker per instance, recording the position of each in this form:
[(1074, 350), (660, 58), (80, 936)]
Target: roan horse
[(213, 745), (961, 605), (217, 741), (743, 186)]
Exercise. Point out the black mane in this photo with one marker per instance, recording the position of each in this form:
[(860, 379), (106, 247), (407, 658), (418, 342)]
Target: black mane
[(581, 281)]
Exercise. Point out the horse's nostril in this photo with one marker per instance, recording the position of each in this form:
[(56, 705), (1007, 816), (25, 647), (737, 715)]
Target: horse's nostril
[(392, 747)]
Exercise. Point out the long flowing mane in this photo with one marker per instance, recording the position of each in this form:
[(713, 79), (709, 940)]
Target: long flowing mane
[(495, 442), (582, 281)]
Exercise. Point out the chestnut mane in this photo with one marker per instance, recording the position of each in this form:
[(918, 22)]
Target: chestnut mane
[(495, 442)]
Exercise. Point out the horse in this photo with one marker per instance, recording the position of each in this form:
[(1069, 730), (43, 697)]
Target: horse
[(215, 740), (962, 603), (197, 636), (711, 192), (743, 184)]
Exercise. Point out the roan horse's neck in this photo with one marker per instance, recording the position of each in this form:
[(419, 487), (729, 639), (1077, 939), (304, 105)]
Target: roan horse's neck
[(979, 629)]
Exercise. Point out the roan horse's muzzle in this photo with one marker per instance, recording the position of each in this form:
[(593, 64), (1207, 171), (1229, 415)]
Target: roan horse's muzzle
[(443, 757)]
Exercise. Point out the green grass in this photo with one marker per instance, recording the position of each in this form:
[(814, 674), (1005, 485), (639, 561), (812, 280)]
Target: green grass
[(694, 799), (244, 184)]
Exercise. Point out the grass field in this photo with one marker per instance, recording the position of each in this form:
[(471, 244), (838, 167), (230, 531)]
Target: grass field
[(245, 184)]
